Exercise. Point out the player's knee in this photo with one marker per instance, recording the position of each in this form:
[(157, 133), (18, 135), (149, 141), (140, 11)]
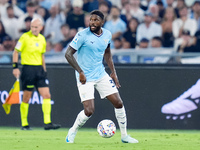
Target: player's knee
[(118, 104), (46, 96), (89, 112)]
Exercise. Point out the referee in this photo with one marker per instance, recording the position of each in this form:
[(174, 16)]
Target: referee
[(32, 46)]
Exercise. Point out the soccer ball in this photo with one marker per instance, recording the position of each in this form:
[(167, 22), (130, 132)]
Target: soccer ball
[(106, 128)]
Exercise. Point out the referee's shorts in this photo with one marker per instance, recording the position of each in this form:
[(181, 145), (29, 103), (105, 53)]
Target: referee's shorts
[(33, 77)]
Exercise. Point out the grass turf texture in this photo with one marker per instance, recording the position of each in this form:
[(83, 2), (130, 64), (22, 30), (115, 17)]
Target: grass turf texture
[(88, 139)]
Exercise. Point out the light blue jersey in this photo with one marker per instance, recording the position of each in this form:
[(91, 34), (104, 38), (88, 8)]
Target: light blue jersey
[(90, 51)]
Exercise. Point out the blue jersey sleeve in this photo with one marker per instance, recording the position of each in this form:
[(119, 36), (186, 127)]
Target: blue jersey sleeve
[(77, 41)]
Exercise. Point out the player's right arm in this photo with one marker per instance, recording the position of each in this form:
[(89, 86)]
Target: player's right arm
[(18, 48), (69, 55), (16, 71)]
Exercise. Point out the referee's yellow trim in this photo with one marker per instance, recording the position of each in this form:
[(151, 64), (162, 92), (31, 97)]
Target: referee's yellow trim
[(30, 86)]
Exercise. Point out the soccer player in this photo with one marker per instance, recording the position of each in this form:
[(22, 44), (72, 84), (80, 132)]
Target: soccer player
[(92, 45), (32, 46)]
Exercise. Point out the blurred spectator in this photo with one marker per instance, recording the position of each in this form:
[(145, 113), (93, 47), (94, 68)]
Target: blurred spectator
[(72, 33), (196, 13), (125, 58), (87, 20), (3, 57), (145, 4), (43, 12), (156, 42), (179, 4), (21, 4), (144, 43), (75, 19), (116, 3), (130, 34), (126, 45), (66, 7), (10, 23), (31, 8), (94, 4), (27, 25), (126, 11), (136, 11), (86, 4), (8, 43), (3, 8), (153, 2), (49, 48), (170, 3), (132, 9), (121, 45), (46, 3), (103, 7), (149, 28), (65, 30), (117, 46), (154, 9), (123, 2), (187, 43), (161, 11), (52, 30), (183, 23), (197, 38), (117, 43), (57, 47), (116, 25), (2, 32), (167, 34)]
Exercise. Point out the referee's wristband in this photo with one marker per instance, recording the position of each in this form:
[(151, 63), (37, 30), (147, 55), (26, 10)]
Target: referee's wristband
[(15, 65)]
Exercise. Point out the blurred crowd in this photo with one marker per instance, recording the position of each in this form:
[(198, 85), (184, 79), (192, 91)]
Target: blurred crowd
[(134, 24)]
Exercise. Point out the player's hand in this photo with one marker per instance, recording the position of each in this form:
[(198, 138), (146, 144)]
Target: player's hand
[(113, 75), (16, 73), (82, 77)]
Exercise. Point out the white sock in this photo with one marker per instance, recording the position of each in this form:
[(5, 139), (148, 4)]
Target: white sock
[(80, 120), (120, 114)]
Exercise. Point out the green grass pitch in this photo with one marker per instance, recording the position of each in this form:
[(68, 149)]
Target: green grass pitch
[(88, 139)]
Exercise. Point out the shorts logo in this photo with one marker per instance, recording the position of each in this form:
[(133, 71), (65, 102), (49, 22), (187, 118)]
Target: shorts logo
[(47, 81), (112, 83)]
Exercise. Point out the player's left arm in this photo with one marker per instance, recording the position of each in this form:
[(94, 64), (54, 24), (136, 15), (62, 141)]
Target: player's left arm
[(43, 55), (109, 61), (43, 63)]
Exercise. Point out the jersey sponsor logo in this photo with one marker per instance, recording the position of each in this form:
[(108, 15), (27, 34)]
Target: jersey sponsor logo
[(37, 44), (18, 45)]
